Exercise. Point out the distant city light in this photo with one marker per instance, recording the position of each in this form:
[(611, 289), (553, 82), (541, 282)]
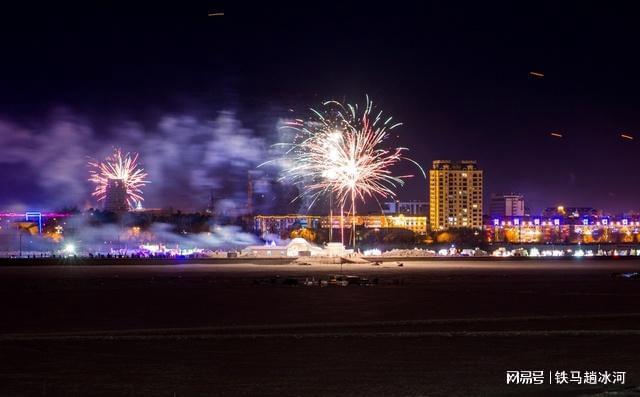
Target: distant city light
[(70, 249)]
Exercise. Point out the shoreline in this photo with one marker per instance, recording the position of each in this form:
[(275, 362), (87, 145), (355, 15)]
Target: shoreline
[(86, 261)]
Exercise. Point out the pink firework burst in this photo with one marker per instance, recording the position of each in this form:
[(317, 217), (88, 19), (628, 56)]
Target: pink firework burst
[(119, 166)]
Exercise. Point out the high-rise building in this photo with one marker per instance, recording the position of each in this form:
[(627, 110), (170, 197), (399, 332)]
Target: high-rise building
[(507, 205), (116, 196), (455, 194)]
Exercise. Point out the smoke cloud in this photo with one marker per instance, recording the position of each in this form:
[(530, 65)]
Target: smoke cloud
[(188, 160), (110, 238)]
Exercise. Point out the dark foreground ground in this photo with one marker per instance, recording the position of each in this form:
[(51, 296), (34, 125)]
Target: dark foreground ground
[(426, 329)]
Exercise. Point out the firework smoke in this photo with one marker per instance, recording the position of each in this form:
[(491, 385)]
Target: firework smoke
[(188, 158)]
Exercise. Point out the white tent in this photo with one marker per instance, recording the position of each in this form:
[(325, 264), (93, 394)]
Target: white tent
[(299, 244)]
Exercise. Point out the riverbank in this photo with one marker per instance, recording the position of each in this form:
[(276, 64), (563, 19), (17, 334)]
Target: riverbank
[(368, 260), (446, 327)]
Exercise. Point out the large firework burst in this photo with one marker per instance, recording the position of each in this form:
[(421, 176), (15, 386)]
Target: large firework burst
[(339, 152), (119, 166)]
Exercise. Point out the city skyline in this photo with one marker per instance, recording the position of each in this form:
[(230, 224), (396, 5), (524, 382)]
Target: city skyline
[(547, 112), (371, 207)]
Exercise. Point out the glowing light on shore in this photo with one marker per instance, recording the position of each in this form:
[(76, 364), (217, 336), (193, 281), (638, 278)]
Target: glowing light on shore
[(123, 167), (70, 249)]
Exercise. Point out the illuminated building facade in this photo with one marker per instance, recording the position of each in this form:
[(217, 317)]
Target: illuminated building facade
[(405, 207), (417, 224), (455, 195), (507, 205), (116, 196), (278, 223), (558, 229)]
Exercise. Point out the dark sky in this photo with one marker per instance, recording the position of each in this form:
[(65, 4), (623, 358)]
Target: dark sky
[(456, 75)]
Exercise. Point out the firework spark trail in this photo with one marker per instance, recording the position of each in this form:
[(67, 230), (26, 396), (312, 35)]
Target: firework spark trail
[(338, 152), (120, 166)]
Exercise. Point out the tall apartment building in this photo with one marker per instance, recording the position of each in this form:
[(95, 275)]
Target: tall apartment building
[(116, 196), (455, 194), (507, 205)]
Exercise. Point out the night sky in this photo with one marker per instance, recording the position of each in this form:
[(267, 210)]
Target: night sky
[(457, 76)]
